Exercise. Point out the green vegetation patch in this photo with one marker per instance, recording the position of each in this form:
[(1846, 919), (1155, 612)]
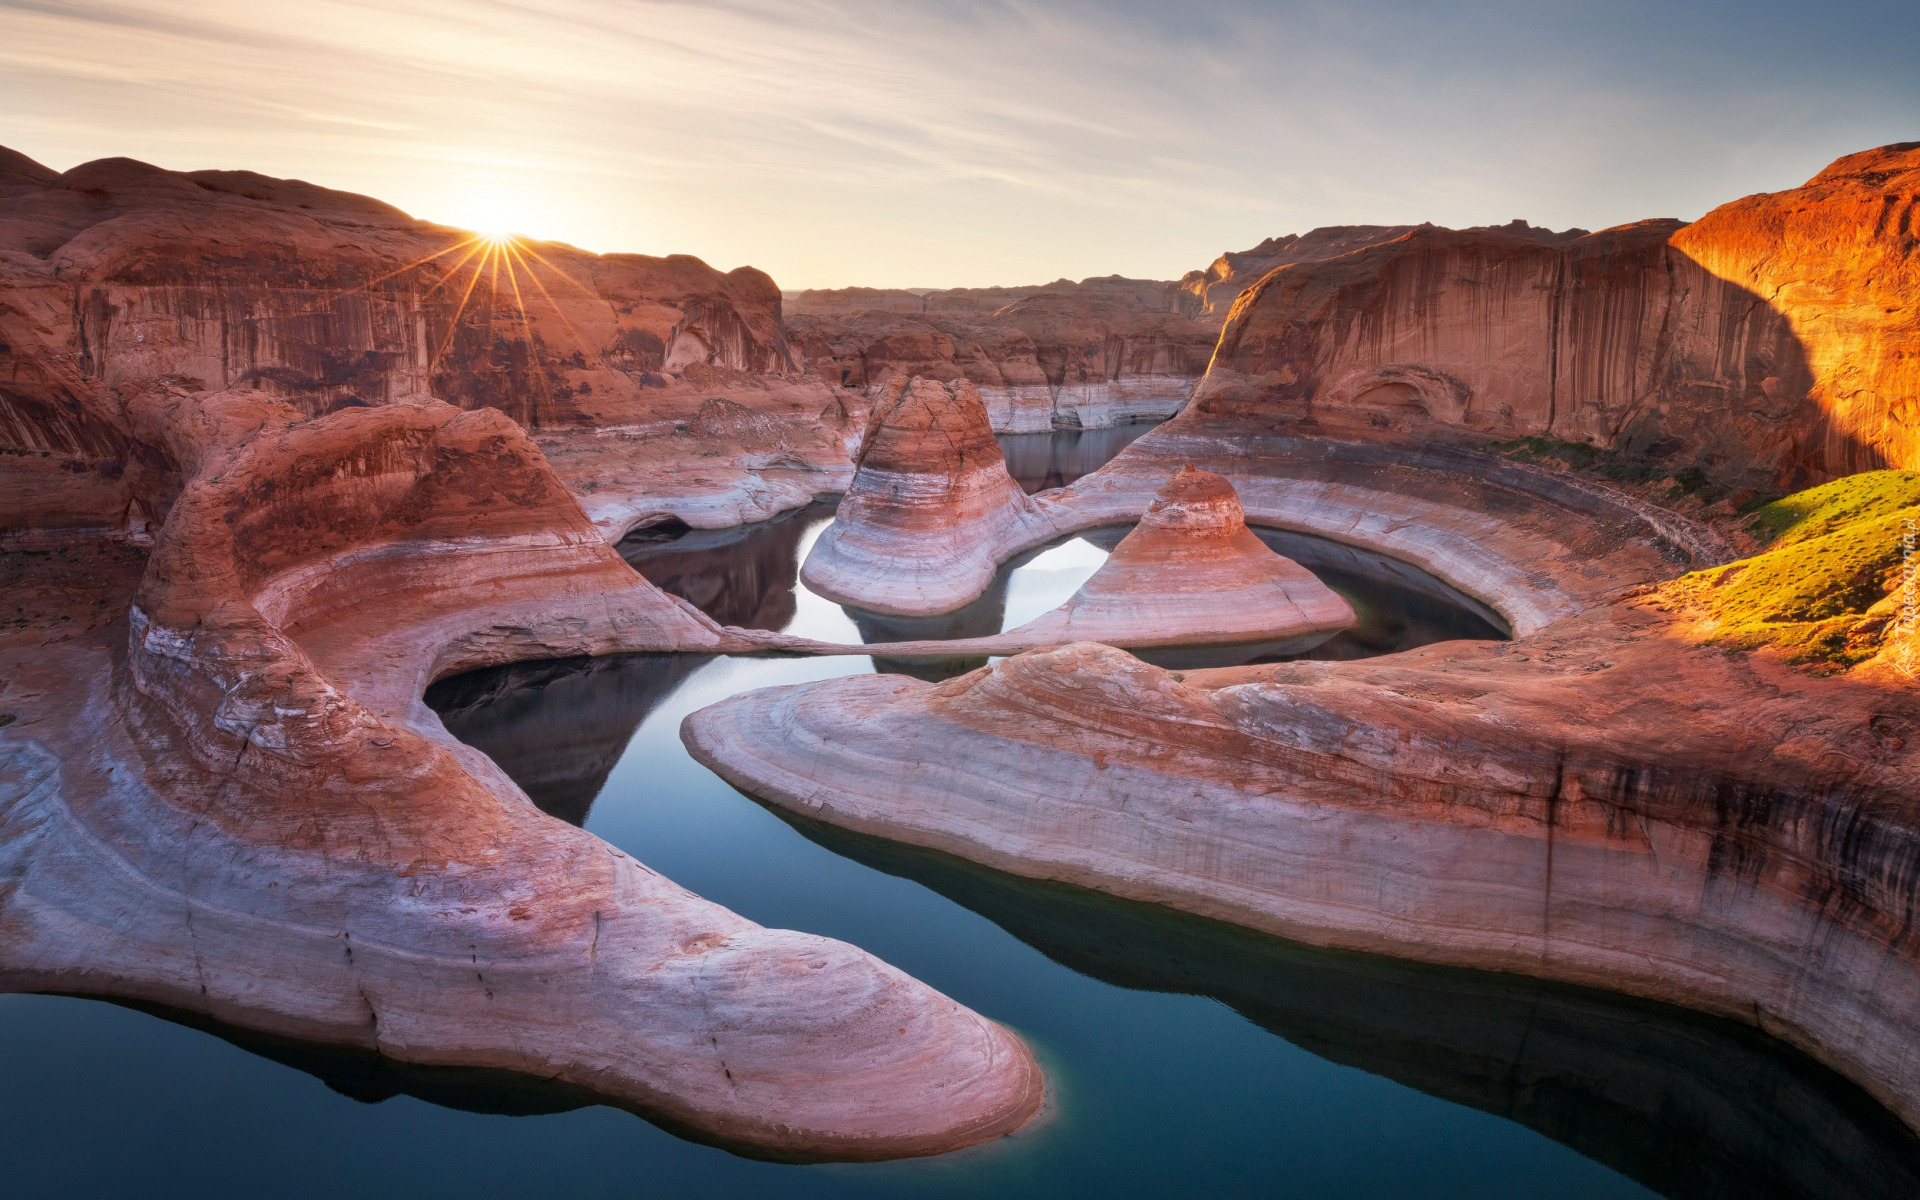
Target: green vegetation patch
[(1822, 510), (1825, 591)]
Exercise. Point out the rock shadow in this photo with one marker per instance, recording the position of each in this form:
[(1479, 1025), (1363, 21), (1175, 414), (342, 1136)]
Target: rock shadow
[(742, 576)]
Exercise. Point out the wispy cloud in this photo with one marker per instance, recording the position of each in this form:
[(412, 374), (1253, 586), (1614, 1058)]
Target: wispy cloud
[(971, 141)]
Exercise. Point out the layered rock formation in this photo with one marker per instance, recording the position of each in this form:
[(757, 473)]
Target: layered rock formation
[(225, 795), (1689, 1106), (234, 803), (1763, 343), (1612, 800), (1575, 808), (1087, 355), (1189, 574), (932, 510), (117, 277)]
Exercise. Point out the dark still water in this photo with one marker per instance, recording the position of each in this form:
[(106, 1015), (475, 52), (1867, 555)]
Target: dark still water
[(1187, 1058), (1038, 461)]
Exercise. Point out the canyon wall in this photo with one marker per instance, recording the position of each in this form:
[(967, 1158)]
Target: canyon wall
[(1767, 343), (1101, 352), (1209, 295), (117, 277)]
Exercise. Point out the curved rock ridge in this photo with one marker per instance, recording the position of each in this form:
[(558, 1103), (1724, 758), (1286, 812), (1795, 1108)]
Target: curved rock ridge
[(931, 511), (247, 812), (1534, 546), (1605, 803), (1767, 343)]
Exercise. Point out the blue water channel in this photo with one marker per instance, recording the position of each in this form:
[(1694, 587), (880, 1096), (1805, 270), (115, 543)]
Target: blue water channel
[(1185, 1057)]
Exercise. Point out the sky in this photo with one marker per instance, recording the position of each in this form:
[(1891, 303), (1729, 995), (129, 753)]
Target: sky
[(971, 142)]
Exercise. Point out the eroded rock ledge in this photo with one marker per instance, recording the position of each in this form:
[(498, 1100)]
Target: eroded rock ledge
[(1606, 803), (242, 809)]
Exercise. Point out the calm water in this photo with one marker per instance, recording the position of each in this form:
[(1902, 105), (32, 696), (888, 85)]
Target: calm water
[(1188, 1057)]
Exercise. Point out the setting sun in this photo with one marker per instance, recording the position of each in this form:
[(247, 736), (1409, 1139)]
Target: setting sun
[(491, 217)]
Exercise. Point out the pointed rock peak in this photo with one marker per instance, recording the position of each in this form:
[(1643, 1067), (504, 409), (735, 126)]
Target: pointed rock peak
[(1196, 503), (924, 426)]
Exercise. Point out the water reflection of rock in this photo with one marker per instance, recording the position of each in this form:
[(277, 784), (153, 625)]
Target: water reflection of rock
[(1399, 605), (740, 576), (1693, 1107), (1038, 461), (982, 616), (557, 726)]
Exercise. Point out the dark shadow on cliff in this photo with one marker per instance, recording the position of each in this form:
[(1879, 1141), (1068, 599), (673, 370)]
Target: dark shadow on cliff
[(1694, 1107)]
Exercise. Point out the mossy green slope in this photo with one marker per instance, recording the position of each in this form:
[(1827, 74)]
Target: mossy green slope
[(1826, 591)]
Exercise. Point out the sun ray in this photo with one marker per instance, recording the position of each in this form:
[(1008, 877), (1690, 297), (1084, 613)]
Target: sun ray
[(544, 261), (421, 262), (479, 247), (534, 276), (453, 326), (526, 324)]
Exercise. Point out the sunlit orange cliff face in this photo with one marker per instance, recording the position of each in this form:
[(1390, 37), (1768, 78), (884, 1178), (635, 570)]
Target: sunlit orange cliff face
[(1770, 341)]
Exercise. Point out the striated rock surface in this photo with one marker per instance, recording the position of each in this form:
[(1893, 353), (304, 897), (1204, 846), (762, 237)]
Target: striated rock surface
[(1690, 1106), (119, 278), (1191, 572), (234, 803), (932, 510), (1618, 799), (1764, 343), (1601, 804), (1094, 354)]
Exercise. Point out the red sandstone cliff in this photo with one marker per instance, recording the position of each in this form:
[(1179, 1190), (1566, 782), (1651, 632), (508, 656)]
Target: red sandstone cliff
[(1208, 295), (1769, 342), (117, 276)]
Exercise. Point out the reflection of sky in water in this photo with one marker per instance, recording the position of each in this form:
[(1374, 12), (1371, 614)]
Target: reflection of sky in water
[(1049, 580), (816, 617), (1041, 584)]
